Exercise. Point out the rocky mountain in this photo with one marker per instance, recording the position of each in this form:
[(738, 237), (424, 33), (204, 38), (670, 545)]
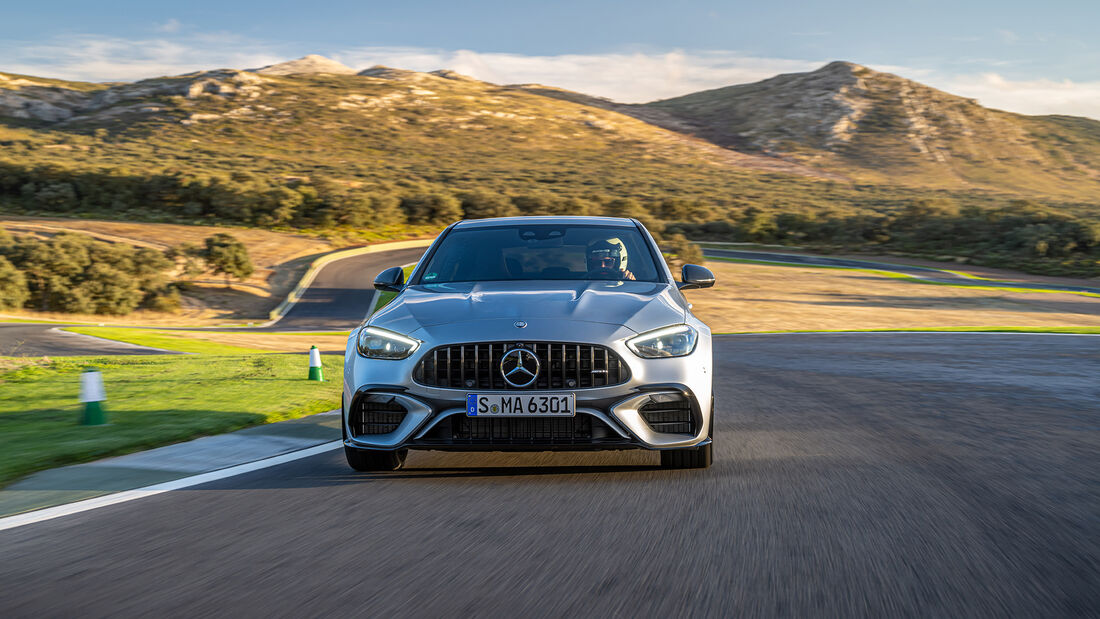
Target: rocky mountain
[(305, 113), (307, 64), (314, 117), (877, 127), (56, 101)]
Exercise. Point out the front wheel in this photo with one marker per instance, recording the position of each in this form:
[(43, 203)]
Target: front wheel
[(367, 460), (690, 458)]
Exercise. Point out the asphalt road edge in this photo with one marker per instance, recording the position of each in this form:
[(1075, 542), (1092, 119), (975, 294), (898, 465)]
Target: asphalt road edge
[(117, 342), (50, 513)]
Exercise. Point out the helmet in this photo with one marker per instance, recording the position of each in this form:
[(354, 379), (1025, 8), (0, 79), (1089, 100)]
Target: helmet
[(606, 254)]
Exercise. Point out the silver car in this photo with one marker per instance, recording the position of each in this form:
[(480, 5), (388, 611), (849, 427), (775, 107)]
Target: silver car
[(532, 334)]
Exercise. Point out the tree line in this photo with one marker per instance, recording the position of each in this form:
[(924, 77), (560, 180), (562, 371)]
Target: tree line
[(77, 273), (1022, 234), (1019, 234)]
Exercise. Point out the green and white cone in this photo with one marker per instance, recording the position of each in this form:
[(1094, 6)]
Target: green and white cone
[(92, 395), (315, 364)]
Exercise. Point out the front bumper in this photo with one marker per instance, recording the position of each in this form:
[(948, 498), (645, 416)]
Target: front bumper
[(609, 422), (608, 417)]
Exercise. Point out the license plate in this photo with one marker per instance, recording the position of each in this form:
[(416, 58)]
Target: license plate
[(520, 405)]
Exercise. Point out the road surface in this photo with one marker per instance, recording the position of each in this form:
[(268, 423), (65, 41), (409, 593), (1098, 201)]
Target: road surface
[(856, 475), (36, 340), (342, 293)]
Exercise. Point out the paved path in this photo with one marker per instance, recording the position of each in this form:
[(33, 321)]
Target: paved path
[(343, 292), (36, 340), (874, 475)]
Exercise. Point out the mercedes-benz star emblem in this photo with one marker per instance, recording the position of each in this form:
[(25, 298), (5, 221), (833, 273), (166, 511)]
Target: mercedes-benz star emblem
[(520, 367)]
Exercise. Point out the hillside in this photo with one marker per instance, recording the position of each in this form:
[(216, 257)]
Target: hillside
[(823, 157), (880, 128), (314, 116)]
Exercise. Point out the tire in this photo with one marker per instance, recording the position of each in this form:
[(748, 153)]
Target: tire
[(691, 458), (368, 460)]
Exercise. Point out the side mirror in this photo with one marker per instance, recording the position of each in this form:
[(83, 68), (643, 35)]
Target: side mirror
[(695, 276), (390, 280)]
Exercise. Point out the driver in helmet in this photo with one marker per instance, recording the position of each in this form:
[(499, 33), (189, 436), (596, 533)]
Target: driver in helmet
[(607, 260)]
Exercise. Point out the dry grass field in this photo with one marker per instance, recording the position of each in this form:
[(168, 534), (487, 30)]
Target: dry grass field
[(276, 342), (751, 297)]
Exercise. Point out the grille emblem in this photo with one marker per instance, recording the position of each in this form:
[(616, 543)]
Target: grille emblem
[(520, 367)]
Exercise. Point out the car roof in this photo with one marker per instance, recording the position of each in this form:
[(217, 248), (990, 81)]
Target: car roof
[(620, 222)]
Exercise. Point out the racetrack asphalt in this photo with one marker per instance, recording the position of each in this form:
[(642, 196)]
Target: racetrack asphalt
[(877, 475), (342, 294)]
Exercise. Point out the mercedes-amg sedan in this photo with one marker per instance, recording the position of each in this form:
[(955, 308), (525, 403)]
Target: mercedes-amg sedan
[(532, 333)]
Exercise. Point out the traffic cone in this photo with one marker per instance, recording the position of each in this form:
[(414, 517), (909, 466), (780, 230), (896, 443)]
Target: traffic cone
[(315, 364), (92, 395)]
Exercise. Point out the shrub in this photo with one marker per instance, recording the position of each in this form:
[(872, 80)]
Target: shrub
[(681, 251), (226, 255), (435, 209), (13, 286), (483, 204)]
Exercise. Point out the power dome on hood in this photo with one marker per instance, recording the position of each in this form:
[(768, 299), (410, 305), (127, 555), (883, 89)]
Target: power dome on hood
[(636, 305)]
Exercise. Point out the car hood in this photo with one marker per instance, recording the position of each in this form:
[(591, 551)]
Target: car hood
[(638, 306)]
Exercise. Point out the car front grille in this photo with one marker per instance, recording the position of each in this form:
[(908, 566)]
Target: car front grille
[(375, 414), (669, 413), (562, 366)]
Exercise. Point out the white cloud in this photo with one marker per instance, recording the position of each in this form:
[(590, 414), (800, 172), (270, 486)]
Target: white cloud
[(626, 77), (100, 59), (172, 25), (1042, 96)]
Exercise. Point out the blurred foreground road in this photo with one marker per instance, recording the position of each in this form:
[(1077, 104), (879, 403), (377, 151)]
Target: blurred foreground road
[(882, 475)]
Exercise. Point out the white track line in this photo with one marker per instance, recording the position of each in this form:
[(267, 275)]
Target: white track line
[(50, 513)]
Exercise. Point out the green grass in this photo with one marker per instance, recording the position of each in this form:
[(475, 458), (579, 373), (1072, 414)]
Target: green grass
[(151, 401), (179, 341), (910, 278), (1071, 330)]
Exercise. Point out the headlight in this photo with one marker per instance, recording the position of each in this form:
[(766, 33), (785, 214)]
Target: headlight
[(375, 343), (674, 341)]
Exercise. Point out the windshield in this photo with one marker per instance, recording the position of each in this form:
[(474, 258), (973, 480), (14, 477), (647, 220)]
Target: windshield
[(541, 252)]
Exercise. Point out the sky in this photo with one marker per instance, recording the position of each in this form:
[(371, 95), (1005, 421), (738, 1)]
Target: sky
[(1023, 56)]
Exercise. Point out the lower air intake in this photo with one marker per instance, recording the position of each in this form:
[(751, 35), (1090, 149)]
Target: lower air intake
[(669, 413), (375, 414)]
